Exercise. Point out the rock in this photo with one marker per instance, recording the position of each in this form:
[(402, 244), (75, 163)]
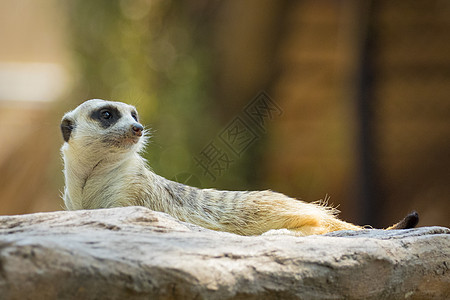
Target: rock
[(135, 253)]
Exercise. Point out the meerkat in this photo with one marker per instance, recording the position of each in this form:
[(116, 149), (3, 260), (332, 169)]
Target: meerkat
[(103, 168)]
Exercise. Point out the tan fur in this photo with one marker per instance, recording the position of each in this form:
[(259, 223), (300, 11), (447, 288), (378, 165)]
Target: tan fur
[(103, 169)]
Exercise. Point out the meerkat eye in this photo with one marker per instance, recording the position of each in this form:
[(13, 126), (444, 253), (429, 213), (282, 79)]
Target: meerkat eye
[(134, 115), (106, 114)]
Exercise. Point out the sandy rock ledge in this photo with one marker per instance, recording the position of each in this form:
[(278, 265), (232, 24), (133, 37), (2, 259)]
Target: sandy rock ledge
[(135, 253)]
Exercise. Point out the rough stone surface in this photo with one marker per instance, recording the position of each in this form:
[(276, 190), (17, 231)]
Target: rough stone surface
[(135, 253)]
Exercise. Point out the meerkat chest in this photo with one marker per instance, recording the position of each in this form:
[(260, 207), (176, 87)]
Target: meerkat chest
[(99, 189)]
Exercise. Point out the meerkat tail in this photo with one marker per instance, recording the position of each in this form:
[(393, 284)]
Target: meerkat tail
[(410, 221), (331, 223)]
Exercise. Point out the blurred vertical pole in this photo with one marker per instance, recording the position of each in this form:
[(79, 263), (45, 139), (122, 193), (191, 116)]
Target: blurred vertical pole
[(368, 193)]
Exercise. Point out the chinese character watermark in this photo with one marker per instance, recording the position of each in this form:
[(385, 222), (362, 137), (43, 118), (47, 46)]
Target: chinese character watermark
[(239, 134), (261, 109)]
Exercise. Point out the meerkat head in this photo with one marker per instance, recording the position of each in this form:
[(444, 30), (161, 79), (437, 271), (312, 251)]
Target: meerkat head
[(102, 127)]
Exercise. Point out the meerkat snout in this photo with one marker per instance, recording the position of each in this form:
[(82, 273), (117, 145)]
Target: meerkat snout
[(137, 129)]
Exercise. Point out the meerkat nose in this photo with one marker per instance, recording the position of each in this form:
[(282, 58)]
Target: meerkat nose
[(137, 129)]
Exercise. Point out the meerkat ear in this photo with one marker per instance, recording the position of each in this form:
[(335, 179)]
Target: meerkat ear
[(67, 126)]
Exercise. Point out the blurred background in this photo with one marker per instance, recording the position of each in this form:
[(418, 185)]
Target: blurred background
[(354, 96)]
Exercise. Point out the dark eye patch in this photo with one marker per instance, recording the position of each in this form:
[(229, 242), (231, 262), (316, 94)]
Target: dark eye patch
[(106, 116), (135, 116)]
